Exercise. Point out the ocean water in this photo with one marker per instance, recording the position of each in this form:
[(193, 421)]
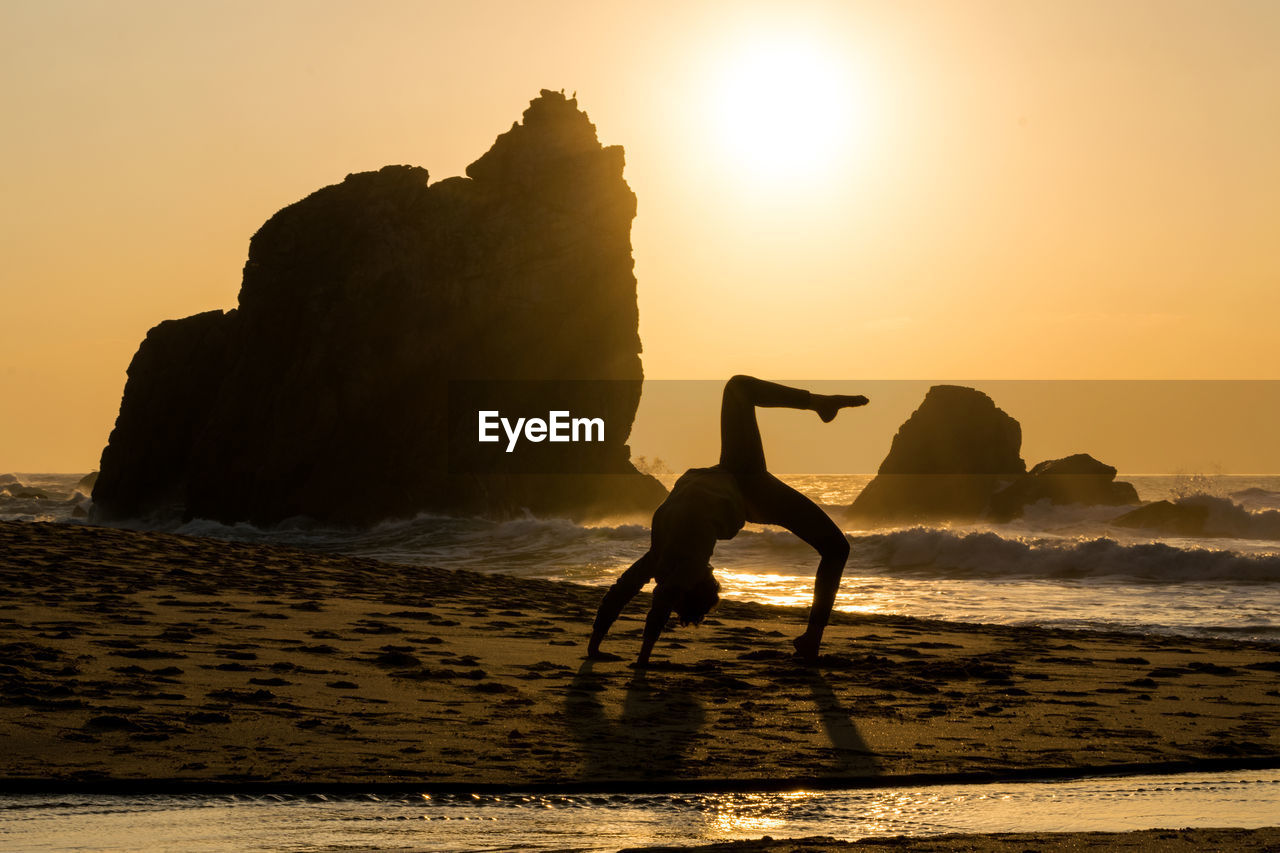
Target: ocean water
[(1056, 566), (600, 822)]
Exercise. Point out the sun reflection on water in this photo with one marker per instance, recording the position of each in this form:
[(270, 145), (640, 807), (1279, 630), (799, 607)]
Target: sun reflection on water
[(746, 814), (857, 594)]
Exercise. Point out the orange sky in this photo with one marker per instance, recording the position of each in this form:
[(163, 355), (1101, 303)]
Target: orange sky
[(1030, 190)]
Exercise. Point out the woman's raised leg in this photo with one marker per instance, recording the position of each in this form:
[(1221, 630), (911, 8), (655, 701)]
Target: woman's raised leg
[(741, 450), (740, 447)]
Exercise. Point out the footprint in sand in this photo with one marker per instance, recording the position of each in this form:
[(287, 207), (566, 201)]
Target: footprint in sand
[(374, 626), (252, 697), (396, 657), (310, 606)]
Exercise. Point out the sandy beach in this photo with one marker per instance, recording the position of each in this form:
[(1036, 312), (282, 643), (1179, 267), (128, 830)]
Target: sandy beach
[(1147, 841), (136, 659)]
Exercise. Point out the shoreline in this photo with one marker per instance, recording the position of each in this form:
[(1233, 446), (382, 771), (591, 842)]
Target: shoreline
[(105, 786), (738, 608), (150, 660)]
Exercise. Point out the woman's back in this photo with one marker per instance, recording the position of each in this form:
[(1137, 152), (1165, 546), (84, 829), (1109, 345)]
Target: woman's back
[(711, 495)]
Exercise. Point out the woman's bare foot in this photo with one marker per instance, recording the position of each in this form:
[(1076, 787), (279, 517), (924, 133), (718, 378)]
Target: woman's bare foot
[(829, 405), (806, 646)]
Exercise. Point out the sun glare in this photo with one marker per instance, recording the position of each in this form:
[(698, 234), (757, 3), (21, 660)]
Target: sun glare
[(786, 109)]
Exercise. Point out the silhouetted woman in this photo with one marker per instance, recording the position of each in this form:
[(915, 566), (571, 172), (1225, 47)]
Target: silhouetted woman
[(713, 503)]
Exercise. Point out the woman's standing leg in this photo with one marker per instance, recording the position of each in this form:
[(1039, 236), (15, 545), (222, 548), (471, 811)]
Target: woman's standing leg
[(771, 501)]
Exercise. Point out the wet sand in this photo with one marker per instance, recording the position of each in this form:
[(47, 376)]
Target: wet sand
[(1146, 841), (147, 660)]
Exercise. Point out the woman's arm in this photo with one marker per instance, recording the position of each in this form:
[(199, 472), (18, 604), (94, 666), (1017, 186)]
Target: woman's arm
[(623, 590), (659, 613)]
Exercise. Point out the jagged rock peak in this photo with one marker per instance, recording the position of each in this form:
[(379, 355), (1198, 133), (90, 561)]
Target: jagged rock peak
[(554, 130)]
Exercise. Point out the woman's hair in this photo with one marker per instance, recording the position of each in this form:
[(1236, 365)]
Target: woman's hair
[(698, 600)]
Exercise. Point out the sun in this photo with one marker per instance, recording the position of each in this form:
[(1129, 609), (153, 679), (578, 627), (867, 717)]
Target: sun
[(786, 109)]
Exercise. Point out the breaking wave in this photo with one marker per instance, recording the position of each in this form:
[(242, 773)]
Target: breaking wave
[(942, 553), (1233, 520), (561, 549)]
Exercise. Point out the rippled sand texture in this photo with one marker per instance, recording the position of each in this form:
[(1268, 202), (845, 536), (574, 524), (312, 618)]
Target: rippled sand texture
[(143, 656)]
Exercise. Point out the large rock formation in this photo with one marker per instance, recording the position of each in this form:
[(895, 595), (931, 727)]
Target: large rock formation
[(959, 457), (946, 460), (325, 393)]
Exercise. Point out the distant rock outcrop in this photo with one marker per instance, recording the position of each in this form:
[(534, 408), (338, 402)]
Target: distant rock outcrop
[(18, 490), (1179, 519), (946, 461), (324, 394), (1203, 515), (959, 457), (1077, 479)]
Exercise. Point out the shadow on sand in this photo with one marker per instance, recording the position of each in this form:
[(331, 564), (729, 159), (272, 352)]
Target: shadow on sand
[(852, 755), (650, 737), (653, 735)]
